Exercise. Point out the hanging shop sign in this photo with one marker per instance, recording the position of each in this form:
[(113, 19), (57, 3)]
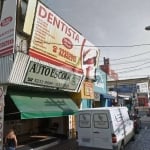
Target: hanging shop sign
[(7, 27), (96, 96), (100, 83), (87, 90), (54, 41), (33, 72), (90, 60), (45, 75)]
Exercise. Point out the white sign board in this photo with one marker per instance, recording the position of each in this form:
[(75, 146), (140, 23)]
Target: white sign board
[(142, 87), (49, 76), (7, 27)]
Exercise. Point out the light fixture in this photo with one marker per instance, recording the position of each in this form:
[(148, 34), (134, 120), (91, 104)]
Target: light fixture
[(147, 28)]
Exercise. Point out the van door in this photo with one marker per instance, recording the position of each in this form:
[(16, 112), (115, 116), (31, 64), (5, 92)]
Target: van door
[(101, 130), (84, 128), (118, 124), (128, 124)]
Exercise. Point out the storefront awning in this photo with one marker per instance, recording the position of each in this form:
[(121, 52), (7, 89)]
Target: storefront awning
[(43, 106)]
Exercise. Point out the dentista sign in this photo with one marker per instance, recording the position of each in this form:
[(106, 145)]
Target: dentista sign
[(56, 42), (44, 75)]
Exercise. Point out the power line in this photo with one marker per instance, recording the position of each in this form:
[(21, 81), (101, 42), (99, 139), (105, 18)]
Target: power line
[(133, 66), (119, 46), (132, 76), (125, 46), (128, 76), (128, 71), (128, 62), (131, 56), (114, 46), (132, 70)]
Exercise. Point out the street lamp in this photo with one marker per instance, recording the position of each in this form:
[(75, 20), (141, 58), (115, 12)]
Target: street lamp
[(147, 28)]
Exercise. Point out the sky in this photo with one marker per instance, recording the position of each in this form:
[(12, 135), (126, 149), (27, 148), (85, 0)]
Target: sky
[(116, 27)]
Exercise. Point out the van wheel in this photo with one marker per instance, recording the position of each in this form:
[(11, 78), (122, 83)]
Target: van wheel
[(122, 147)]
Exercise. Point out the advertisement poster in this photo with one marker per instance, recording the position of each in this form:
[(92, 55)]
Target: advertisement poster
[(90, 60), (7, 27), (100, 83), (54, 41)]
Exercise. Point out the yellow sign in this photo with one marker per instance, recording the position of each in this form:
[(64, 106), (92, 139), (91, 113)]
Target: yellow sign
[(87, 91)]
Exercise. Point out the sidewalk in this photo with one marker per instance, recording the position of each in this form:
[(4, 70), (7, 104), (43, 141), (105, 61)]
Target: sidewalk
[(51, 143), (39, 144)]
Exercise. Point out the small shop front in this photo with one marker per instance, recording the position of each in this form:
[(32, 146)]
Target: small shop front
[(37, 100), (41, 104), (36, 115)]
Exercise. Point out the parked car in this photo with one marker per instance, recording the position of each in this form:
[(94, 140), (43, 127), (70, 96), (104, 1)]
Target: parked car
[(137, 122)]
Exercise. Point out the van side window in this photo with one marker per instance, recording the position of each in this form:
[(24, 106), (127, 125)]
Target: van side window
[(85, 120), (100, 120)]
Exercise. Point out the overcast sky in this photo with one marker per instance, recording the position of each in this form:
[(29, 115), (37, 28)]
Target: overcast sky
[(117, 27)]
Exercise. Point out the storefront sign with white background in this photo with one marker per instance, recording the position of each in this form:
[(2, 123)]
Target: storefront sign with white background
[(142, 87), (7, 27), (44, 75), (33, 72)]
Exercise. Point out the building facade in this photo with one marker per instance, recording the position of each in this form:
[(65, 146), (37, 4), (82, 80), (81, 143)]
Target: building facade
[(44, 62)]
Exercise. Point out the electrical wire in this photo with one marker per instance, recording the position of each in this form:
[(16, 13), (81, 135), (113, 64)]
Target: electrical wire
[(133, 66), (133, 77), (98, 46), (134, 45), (131, 56), (128, 62), (133, 70), (118, 59), (119, 46)]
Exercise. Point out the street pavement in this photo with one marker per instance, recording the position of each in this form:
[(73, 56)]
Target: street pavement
[(142, 140)]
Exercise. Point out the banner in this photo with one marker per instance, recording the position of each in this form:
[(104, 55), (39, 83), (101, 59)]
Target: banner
[(7, 27), (90, 60)]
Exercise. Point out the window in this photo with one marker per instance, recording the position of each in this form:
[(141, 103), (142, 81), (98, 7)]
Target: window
[(85, 120), (100, 120)]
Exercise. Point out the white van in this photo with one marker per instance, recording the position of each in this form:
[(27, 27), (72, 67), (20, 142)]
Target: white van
[(104, 128)]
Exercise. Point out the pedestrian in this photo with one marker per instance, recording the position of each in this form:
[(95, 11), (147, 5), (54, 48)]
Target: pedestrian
[(10, 140)]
